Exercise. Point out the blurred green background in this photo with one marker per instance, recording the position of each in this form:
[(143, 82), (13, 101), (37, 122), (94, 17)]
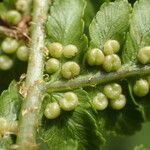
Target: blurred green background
[(128, 143)]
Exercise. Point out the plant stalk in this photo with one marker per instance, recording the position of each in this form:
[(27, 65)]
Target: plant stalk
[(28, 121), (95, 79)]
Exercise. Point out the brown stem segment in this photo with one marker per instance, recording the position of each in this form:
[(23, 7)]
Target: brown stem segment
[(28, 121)]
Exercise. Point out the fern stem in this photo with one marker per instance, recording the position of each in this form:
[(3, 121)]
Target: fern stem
[(28, 121), (95, 79)]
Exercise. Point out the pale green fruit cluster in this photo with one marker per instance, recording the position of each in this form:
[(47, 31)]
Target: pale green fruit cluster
[(141, 87), (144, 55), (52, 65), (12, 17), (23, 53), (112, 92), (52, 110), (68, 103), (56, 50), (11, 46), (6, 62), (100, 101), (95, 57), (110, 61), (69, 69)]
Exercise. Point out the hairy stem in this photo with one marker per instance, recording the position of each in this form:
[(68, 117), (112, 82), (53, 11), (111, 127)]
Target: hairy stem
[(28, 121), (95, 79)]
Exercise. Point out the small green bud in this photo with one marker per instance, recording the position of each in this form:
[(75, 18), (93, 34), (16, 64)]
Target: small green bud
[(23, 53), (112, 90), (9, 45), (118, 103), (52, 65), (95, 57), (111, 47), (13, 17), (5, 62), (55, 49), (52, 110), (70, 51), (112, 63), (144, 55), (22, 5), (70, 69), (100, 101), (69, 102), (141, 88)]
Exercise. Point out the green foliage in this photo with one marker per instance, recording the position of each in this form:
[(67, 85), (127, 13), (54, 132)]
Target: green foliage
[(110, 23), (102, 105), (79, 125), (9, 108)]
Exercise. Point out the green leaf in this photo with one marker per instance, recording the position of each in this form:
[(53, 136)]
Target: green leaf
[(10, 102), (2, 9), (65, 24), (111, 22), (119, 122), (139, 35), (10, 4), (78, 126), (5, 143)]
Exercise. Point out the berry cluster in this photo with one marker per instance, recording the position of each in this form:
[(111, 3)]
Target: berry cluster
[(10, 46), (113, 92), (68, 103), (69, 69), (110, 61)]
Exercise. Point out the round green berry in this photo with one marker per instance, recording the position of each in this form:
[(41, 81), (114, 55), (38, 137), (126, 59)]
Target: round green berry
[(52, 65), (5, 62), (111, 47), (22, 5), (69, 102), (70, 51), (95, 57), (100, 101), (23, 53), (141, 88), (112, 90), (52, 110), (112, 63), (13, 17), (55, 49), (144, 55), (118, 103), (9, 45), (70, 69)]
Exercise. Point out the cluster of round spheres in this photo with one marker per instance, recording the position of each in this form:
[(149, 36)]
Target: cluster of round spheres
[(107, 58), (112, 93), (68, 103), (69, 69), (8, 48)]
